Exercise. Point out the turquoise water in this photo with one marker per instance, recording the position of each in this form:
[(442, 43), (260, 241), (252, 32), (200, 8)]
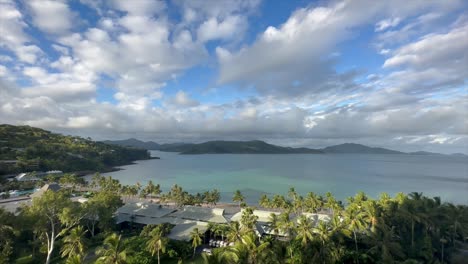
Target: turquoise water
[(341, 174)]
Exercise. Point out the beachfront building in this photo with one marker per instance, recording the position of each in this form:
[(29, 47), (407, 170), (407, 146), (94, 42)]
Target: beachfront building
[(49, 186), (264, 218), (184, 220)]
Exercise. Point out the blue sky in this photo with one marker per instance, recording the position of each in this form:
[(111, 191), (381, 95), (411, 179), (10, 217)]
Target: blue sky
[(298, 73)]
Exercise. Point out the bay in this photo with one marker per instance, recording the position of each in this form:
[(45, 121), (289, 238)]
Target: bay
[(342, 174)]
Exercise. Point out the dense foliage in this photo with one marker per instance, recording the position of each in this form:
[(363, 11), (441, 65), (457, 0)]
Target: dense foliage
[(33, 149), (402, 229)]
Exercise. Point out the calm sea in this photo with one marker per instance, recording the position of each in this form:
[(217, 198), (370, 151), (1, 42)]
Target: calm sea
[(341, 174)]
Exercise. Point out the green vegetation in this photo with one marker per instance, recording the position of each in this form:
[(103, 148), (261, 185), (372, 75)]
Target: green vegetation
[(240, 147), (25, 148), (402, 229)]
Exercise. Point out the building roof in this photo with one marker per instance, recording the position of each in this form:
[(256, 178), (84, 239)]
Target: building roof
[(263, 215), (196, 213), (48, 186), (144, 210), (182, 231)]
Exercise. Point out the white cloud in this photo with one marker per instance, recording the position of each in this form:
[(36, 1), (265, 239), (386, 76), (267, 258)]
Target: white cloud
[(387, 23), (296, 51), (28, 53), (231, 27), (135, 49), (140, 7), (183, 99), (433, 49), (51, 16)]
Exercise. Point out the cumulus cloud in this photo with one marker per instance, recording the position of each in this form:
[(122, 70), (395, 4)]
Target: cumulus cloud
[(290, 60), (183, 99), (107, 79), (232, 26), (51, 16)]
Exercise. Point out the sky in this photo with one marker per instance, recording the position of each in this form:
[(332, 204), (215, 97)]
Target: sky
[(294, 73)]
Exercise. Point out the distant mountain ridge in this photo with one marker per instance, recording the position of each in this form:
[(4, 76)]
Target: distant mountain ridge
[(260, 147), (134, 143), (358, 148)]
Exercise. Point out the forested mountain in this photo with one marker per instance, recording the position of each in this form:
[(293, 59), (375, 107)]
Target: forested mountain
[(358, 148), (258, 147), (135, 143), (25, 148), (241, 147)]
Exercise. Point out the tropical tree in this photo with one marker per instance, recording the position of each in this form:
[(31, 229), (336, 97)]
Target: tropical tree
[(156, 243), (74, 244), (238, 197), (384, 245), (54, 215), (113, 251), (274, 224), (195, 236), (7, 235), (354, 221), (372, 214), (248, 219), (248, 251), (100, 209), (312, 203), (328, 251), (304, 230), (234, 231), (217, 256), (264, 201)]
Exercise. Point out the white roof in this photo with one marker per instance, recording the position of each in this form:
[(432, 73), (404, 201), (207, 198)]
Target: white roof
[(263, 215), (182, 231), (196, 213)]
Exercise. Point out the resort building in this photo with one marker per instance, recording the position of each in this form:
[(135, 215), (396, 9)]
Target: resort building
[(184, 220), (49, 186), (264, 218)]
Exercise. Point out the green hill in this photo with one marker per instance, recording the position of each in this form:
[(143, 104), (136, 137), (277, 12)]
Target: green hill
[(358, 149), (25, 148), (241, 147)]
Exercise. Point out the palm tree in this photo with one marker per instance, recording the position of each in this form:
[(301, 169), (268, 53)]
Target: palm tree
[(74, 243), (247, 250), (234, 231), (354, 218), (248, 219), (238, 197), (112, 251), (217, 257), (264, 201), (328, 252), (411, 212), (156, 243), (312, 202), (195, 235), (384, 245), (372, 214), (75, 259), (274, 223), (304, 230)]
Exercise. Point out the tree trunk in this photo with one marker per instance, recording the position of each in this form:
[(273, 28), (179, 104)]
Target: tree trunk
[(159, 261), (50, 248), (194, 249), (412, 234), (357, 251), (442, 258)]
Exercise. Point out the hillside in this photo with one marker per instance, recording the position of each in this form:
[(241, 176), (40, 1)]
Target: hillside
[(242, 147), (134, 143), (259, 147), (25, 148), (358, 149)]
